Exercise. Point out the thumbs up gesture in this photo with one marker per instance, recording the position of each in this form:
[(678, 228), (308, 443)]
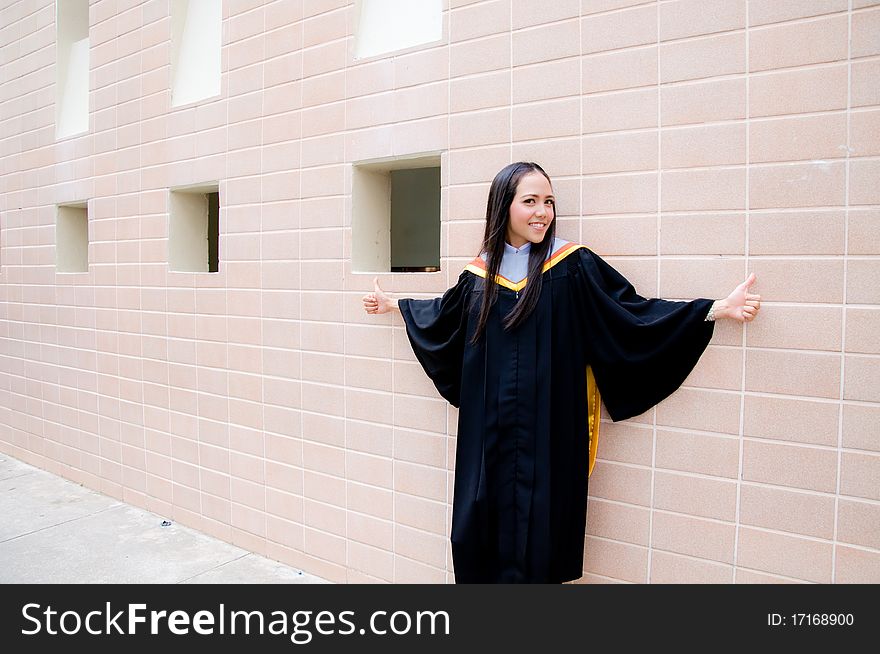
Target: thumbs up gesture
[(378, 301), (741, 305)]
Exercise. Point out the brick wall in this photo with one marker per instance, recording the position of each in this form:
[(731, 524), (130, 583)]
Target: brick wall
[(690, 141)]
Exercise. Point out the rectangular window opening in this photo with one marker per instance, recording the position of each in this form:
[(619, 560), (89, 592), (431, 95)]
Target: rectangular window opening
[(196, 37), (390, 25), (72, 238), (396, 214), (72, 68), (194, 229)]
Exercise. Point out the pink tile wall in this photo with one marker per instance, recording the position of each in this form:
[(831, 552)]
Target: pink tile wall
[(690, 141)]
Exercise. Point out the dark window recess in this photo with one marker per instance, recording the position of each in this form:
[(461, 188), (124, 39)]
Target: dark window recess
[(415, 220), (213, 231)]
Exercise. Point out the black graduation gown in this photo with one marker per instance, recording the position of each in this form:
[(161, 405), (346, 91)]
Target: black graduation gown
[(520, 495)]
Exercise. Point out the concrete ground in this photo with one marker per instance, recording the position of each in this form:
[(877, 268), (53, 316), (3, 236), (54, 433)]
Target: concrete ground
[(55, 531)]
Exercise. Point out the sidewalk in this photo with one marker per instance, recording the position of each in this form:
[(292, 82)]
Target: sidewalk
[(56, 531)]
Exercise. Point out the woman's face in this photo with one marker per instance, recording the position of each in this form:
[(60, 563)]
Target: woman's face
[(532, 210)]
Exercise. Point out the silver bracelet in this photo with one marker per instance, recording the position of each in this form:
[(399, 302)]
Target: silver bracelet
[(710, 317)]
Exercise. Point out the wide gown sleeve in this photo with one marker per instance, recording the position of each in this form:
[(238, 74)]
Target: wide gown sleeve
[(641, 350), (437, 331)]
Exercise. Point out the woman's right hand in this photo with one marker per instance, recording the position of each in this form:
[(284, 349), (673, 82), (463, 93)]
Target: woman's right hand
[(378, 301)]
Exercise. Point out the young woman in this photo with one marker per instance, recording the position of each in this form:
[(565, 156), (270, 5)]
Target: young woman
[(535, 329)]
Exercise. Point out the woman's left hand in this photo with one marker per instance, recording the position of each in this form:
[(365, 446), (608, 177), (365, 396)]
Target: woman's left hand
[(741, 305)]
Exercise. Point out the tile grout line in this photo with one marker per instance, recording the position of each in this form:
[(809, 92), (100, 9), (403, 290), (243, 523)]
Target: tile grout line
[(657, 214), (744, 334), (302, 466), (846, 218), (265, 538), (449, 570), (350, 194)]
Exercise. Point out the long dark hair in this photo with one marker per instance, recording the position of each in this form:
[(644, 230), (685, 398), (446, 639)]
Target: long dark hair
[(501, 196)]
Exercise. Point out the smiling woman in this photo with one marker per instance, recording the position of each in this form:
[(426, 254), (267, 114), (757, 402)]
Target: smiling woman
[(534, 335), (531, 211)]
